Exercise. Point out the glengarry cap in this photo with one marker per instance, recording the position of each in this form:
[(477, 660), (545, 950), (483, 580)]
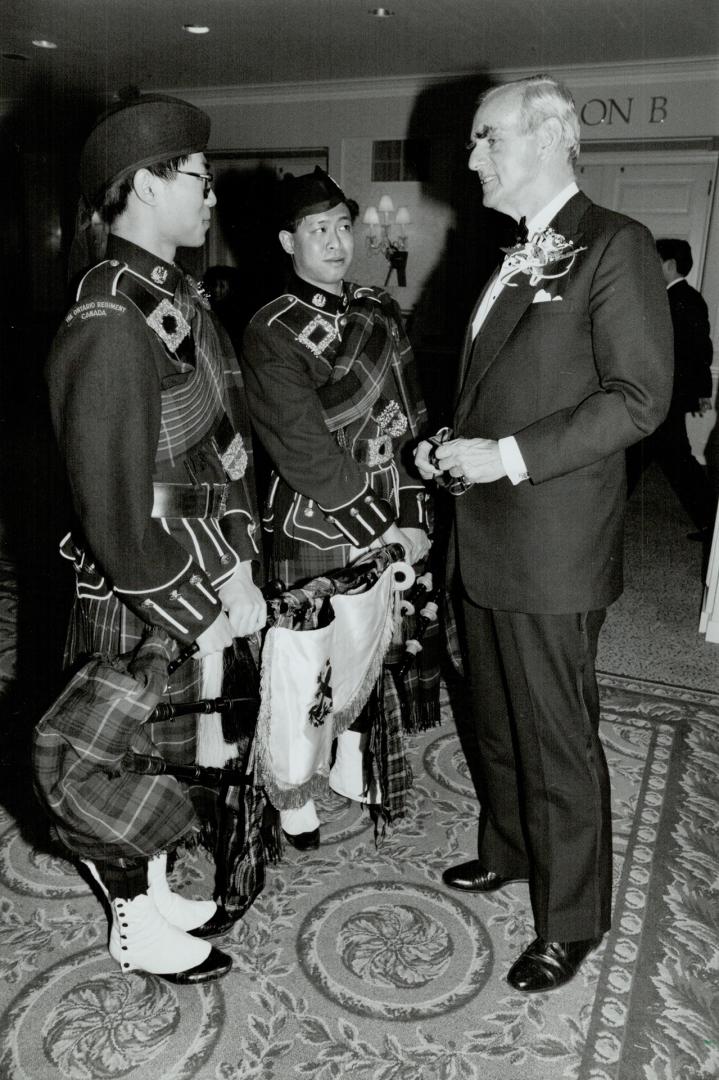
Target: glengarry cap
[(310, 193), (142, 131)]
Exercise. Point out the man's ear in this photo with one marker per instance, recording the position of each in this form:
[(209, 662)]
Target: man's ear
[(550, 136), (146, 186), (287, 239)]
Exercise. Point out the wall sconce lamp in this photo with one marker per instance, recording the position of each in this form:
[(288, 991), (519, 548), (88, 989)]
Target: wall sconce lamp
[(378, 220)]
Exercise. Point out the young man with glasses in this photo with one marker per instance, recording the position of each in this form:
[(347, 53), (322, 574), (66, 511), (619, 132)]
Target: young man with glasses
[(146, 403)]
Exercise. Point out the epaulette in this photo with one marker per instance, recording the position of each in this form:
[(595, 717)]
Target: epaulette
[(275, 307), (101, 280)]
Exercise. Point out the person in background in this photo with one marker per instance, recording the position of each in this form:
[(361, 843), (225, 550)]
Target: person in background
[(332, 396), (224, 285), (566, 362), (145, 399), (669, 445)]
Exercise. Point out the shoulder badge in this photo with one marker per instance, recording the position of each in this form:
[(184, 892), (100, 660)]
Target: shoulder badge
[(169, 324)]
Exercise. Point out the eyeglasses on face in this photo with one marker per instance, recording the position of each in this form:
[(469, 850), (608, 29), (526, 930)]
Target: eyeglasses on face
[(206, 177)]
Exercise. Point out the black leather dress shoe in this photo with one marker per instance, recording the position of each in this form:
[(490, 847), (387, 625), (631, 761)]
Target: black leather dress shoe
[(215, 966), (220, 923), (473, 877), (546, 965), (304, 841)]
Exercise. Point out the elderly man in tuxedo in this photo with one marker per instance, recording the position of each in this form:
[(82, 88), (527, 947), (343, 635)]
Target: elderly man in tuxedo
[(567, 361)]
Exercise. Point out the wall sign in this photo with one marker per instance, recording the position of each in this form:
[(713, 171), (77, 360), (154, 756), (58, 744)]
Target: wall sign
[(618, 111)]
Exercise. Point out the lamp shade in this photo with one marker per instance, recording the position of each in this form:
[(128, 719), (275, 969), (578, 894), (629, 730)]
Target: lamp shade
[(402, 217), (385, 205), (371, 217)]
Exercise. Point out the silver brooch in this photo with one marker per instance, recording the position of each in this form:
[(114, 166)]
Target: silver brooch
[(159, 274), (234, 458), (319, 299), (317, 335), (201, 293), (169, 324)]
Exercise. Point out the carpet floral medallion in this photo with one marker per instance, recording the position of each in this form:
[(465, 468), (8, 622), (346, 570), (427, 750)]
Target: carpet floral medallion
[(356, 961)]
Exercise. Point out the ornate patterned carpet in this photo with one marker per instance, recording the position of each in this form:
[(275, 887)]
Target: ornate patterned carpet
[(356, 962)]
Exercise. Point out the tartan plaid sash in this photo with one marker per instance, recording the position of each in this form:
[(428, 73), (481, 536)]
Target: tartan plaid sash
[(373, 343), (193, 407)]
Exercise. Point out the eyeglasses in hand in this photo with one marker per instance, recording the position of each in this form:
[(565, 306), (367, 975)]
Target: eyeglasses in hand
[(455, 485)]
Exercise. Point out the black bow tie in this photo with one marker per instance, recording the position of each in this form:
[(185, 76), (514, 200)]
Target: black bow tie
[(522, 231)]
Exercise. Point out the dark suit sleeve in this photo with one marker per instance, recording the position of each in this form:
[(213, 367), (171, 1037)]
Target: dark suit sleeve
[(630, 332)]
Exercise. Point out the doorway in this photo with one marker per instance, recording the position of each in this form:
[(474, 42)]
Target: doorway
[(669, 191)]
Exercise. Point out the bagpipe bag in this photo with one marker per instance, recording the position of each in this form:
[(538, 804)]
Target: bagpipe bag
[(314, 684)]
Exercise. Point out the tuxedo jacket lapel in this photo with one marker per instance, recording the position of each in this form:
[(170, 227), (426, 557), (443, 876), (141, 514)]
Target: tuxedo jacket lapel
[(467, 343), (568, 221), (501, 320), (505, 313)]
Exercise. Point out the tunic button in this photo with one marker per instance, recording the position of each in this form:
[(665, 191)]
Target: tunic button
[(309, 512), (226, 559), (114, 262)]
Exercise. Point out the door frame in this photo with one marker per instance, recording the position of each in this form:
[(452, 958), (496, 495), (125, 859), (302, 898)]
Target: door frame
[(594, 154)]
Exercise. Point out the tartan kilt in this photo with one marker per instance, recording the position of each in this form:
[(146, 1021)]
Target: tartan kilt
[(107, 627)]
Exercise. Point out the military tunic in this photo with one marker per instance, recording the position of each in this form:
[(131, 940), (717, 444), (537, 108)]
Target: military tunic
[(331, 492), (150, 430)]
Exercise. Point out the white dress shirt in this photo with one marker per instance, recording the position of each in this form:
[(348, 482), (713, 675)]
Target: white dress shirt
[(509, 451)]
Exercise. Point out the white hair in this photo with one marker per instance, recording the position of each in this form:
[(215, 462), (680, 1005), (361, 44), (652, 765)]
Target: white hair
[(542, 98)]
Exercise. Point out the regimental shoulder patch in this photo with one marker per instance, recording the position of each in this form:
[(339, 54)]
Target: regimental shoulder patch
[(169, 324), (317, 335), (319, 299), (159, 274)]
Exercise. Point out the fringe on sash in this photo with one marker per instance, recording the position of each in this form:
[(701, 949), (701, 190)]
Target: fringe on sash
[(285, 798)]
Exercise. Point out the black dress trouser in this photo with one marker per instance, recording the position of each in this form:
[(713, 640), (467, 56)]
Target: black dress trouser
[(533, 749)]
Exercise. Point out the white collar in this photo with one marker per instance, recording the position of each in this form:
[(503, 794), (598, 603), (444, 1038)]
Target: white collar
[(675, 282), (550, 211)]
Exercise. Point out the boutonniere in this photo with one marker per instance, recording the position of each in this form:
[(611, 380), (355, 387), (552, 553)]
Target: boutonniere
[(546, 252)]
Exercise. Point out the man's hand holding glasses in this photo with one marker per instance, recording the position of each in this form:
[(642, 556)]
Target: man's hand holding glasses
[(457, 464)]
